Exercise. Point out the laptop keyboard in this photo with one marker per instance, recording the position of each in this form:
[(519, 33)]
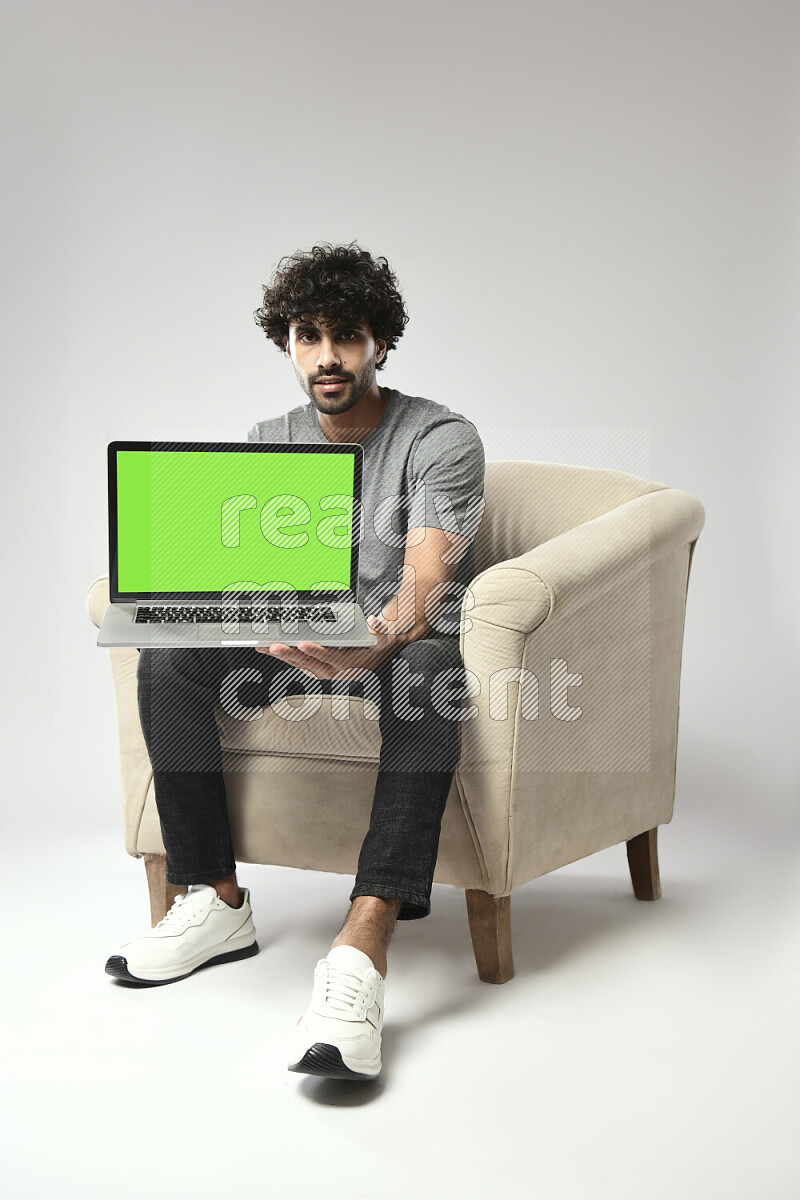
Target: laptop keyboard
[(216, 614)]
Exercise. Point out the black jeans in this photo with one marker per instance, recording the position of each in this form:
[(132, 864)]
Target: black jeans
[(177, 693)]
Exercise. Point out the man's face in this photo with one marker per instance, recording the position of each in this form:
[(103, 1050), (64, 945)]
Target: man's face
[(345, 355)]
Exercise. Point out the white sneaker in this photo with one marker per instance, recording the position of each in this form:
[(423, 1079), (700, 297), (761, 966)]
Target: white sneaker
[(340, 1034), (199, 929)]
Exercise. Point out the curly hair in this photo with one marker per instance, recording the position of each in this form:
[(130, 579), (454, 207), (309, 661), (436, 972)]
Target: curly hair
[(341, 285)]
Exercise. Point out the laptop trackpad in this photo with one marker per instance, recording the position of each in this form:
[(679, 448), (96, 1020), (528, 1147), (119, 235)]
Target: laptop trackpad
[(170, 635)]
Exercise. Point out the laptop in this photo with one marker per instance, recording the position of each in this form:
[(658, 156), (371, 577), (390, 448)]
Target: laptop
[(234, 544)]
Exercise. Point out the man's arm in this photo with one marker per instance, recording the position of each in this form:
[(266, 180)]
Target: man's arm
[(430, 564)]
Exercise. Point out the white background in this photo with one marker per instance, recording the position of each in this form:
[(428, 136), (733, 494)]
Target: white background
[(591, 207)]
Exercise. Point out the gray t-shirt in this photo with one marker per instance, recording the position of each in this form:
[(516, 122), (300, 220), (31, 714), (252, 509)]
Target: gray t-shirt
[(423, 466)]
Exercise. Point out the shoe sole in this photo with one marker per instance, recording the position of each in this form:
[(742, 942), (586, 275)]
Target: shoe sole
[(326, 1060), (117, 966)]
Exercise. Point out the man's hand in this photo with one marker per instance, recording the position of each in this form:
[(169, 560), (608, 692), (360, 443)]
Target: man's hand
[(431, 560), (325, 662)]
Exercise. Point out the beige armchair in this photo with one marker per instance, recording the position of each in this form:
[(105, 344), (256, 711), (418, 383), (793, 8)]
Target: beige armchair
[(572, 633)]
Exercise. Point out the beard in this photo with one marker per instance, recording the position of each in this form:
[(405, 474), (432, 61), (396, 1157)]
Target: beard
[(354, 388)]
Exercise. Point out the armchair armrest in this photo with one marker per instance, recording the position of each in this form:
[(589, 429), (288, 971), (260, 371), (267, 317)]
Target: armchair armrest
[(97, 600), (573, 651), (558, 577), (135, 770)]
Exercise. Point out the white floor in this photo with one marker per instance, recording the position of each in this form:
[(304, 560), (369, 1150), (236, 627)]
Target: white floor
[(641, 1050)]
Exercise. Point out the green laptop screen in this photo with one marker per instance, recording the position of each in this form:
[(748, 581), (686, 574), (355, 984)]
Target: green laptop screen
[(212, 520)]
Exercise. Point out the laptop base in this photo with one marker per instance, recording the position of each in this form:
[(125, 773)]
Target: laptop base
[(119, 628)]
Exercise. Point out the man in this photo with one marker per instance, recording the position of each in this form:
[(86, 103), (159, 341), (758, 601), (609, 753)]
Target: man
[(335, 312)]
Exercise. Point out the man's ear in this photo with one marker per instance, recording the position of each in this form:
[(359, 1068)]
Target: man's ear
[(380, 354)]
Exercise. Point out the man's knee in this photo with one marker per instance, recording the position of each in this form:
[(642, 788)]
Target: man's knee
[(427, 656), (200, 667), (424, 674), (423, 664)]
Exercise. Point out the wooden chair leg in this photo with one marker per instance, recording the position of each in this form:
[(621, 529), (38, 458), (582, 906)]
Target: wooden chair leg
[(643, 863), (161, 893), (490, 929)]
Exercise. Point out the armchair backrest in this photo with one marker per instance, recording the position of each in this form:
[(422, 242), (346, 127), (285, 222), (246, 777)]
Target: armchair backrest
[(528, 503)]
